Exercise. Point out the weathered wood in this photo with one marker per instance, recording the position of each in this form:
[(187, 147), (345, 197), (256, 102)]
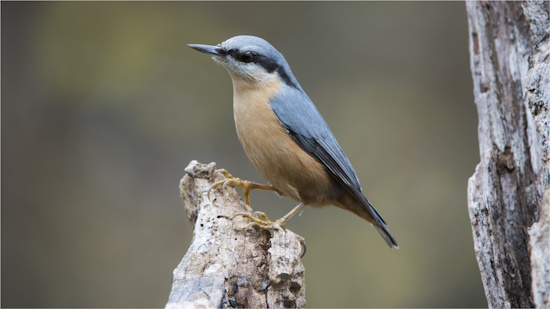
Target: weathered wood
[(539, 235), (230, 263), (510, 63)]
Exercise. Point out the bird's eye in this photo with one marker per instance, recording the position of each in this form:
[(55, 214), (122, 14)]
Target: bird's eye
[(245, 57)]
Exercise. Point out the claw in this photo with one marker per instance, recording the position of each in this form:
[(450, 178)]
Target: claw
[(245, 184), (261, 220), (264, 221), (224, 182), (261, 215), (304, 248), (225, 173)]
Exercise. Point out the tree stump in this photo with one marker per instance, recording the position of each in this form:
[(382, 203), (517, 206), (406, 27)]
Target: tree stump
[(231, 263), (510, 63)]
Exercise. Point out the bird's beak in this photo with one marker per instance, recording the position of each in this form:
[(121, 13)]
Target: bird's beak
[(207, 49)]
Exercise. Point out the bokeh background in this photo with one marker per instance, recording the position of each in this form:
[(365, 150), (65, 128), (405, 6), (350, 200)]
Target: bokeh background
[(103, 106)]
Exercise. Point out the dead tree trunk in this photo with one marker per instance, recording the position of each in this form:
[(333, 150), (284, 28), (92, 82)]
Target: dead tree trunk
[(229, 262), (510, 63)]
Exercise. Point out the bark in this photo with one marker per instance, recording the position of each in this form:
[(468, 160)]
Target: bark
[(510, 63), (231, 263)]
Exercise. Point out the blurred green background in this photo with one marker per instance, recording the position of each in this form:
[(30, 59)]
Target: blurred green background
[(103, 106)]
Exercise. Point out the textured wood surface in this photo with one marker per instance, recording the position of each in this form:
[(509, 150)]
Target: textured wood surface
[(229, 262), (509, 58)]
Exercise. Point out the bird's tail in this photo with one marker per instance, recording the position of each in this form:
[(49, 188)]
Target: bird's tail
[(365, 210), (386, 234)]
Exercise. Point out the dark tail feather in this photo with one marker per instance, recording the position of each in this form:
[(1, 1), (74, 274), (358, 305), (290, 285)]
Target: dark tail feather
[(386, 234), (382, 228), (364, 209)]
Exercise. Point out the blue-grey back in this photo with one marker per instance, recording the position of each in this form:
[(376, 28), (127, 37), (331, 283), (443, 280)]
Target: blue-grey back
[(307, 127)]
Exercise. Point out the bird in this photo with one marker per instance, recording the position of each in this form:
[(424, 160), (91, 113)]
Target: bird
[(285, 136)]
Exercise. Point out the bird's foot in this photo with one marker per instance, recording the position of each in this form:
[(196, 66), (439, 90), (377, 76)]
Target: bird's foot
[(261, 220), (245, 184)]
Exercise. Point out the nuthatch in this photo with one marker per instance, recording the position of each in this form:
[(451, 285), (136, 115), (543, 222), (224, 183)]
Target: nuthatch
[(284, 135)]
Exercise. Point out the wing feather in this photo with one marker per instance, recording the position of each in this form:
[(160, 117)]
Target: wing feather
[(303, 122), (306, 126)]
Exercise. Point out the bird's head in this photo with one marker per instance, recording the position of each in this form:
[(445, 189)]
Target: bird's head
[(250, 58)]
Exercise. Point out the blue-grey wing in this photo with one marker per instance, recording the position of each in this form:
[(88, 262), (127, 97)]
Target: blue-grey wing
[(306, 126)]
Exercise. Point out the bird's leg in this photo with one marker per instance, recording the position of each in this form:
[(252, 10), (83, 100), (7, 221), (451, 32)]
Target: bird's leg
[(245, 184), (290, 214), (263, 222), (259, 217)]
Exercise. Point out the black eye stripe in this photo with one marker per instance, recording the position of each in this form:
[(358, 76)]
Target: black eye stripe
[(231, 52), (246, 56), (267, 63)]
